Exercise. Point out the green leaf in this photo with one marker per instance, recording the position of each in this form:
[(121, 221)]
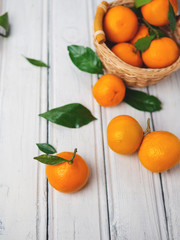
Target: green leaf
[(140, 3), (4, 22), (72, 115), (54, 160), (85, 59), (144, 43), (50, 160), (142, 101), (37, 63), (171, 17), (46, 148)]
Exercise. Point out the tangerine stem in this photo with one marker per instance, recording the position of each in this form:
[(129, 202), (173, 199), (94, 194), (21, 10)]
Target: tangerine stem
[(148, 129), (135, 50), (74, 154), (153, 29)]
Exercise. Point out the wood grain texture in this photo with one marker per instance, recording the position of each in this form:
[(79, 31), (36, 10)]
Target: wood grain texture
[(22, 97), (167, 119), (168, 91), (122, 199), (82, 215), (135, 202), (134, 194)]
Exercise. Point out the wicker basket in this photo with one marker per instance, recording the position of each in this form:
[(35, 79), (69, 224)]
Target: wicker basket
[(133, 76)]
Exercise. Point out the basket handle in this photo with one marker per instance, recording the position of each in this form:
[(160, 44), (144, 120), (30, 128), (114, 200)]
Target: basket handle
[(177, 30), (98, 22)]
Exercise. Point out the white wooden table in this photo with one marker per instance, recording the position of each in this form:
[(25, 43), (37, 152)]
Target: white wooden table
[(122, 200)]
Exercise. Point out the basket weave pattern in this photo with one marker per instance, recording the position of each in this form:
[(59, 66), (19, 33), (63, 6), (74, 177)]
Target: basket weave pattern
[(133, 76)]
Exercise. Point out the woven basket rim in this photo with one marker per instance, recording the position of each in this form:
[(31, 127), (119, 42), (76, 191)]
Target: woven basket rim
[(143, 69)]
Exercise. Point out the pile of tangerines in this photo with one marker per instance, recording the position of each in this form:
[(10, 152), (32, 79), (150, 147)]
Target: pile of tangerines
[(122, 28), (158, 150)]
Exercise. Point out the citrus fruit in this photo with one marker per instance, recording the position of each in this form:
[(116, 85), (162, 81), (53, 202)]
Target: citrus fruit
[(120, 24), (109, 90), (142, 32), (66, 177), (124, 134), (156, 11), (159, 151), (128, 53), (162, 53)]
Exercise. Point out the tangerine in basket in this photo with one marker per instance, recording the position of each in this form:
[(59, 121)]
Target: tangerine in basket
[(128, 53), (142, 32), (162, 53), (66, 177), (109, 90), (156, 11), (124, 134), (159, 151), (120, 24)]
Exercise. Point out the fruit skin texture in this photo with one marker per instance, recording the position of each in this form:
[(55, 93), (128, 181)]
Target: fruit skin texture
[(68, 178), (159, 151), (162, 53), (142, 32), (124, 134), (109, 90), (120, 24), (128, 53), (156, 11)]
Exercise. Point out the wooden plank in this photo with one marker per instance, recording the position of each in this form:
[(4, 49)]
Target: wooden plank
[(134, 194), (82, 215), (167, 119), (22, 97)]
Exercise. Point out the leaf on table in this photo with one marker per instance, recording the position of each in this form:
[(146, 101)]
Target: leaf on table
[(85, 59), (144, 43), (46, 148), (37, 63), (4, 23), (50, 160), (171, 17), (142, 101), (72, 115), (140, 3)]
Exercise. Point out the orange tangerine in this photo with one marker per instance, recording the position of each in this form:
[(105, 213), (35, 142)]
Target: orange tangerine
[(109, 90), (120, 24), (128, 53)]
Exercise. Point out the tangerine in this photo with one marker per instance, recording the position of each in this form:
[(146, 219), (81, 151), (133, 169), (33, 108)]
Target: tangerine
[(109, 90), (142, 32), (128, 53), (66, 177), (156, 11), (124, 134), (120, 24), (159, 151), (162, 53)]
